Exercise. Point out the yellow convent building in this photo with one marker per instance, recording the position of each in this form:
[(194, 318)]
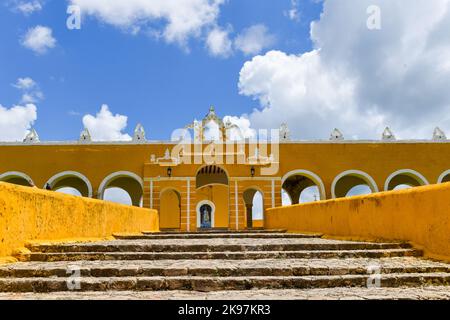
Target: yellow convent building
[(211, 183)]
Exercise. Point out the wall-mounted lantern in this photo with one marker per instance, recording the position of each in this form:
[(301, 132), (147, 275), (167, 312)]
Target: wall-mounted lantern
[(252, 171), (169, 172)]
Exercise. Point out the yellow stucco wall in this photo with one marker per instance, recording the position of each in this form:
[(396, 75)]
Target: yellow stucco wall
[(258, 223), (420, 215), (28, 214), (327, 160)]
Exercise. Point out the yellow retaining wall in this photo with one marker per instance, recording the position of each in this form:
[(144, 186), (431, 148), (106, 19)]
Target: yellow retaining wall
[(419, 215), (258, 223), (28, 214)]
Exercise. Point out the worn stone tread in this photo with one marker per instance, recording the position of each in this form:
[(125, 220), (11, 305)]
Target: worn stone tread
[(214, 245), (217, 283), (323, 254), (247, 263), (401, 293), (274, 267)]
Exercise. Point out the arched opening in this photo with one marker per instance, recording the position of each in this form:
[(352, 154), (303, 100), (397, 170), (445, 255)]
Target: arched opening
[(359, 190), (404, 178), (70, 182), (352, 183), (285, 198), (114, 187), (254, 208), (18, 178), (70, 191), (211, 175), (310, 194), (402, 187), (117, 195), (302, 186), (170, 210), (212, 192), (444, 177)]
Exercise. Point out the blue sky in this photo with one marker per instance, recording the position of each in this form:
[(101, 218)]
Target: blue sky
[(159, 84), (356, 65)]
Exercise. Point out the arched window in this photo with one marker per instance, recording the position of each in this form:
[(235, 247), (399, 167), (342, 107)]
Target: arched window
[(70, 182), (209, 175), (254, 206), (300, 186), (16, 177), (444, 177), (352, 183), (117, 185), (404, 178)]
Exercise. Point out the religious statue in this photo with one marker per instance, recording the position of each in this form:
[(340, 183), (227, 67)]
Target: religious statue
[(205, 216)]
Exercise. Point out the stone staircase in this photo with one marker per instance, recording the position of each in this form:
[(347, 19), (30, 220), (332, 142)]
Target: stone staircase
[(237, 264)]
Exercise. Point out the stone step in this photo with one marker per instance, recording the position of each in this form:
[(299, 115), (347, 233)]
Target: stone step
[(316, 254), (149, 246), (215, 283), (216, 236), (344, 293), (222, 268)]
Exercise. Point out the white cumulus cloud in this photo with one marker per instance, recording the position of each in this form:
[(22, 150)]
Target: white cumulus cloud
[(357, 79), (28, 7), (30, 90), (39, 39), (219, 43), (254, 40), (174, 20), (16, 121), (293, 13), (25, 83), (242, 129), (105, 126)]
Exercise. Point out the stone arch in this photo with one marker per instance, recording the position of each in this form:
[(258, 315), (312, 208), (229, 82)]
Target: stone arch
[(170, 209), (289, 199), (211, 175), (16, 177), (349, 179), (249, 197), (296, 181), (444, 177), (125, 180), (71, 179), (408, 177), (212, 184)]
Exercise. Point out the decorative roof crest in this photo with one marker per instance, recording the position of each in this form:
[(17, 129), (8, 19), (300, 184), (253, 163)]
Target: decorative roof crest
[(439, 135), (85, 136), (388, 135), (336, 135), (139, 134), (285, 133), (31, 137)]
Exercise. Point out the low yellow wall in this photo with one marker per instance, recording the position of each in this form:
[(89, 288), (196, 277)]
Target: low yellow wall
[(28, 214), (419, 215), (258, 223)]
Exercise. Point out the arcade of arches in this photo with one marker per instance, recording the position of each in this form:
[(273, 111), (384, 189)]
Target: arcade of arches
[(229, 194)]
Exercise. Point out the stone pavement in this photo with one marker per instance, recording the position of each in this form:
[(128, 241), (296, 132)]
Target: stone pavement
[(402, 293), (244, 265)]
